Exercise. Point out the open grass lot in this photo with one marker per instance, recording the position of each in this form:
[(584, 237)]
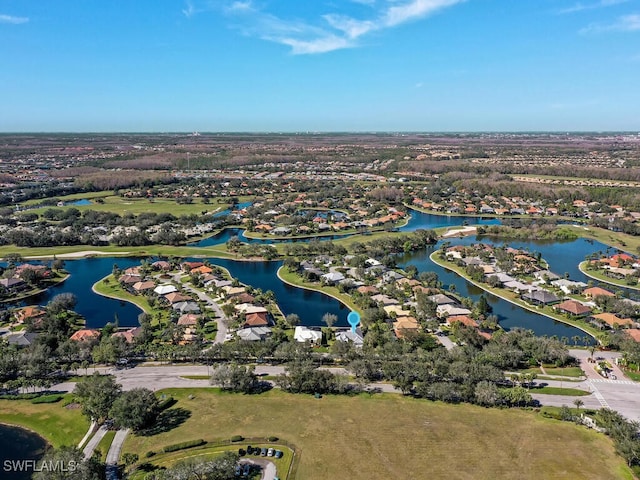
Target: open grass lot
[(59, 425), (390, 436), (148, 250), (135, 206)]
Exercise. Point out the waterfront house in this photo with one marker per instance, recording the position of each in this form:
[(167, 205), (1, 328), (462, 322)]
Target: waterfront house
[(540, 297)]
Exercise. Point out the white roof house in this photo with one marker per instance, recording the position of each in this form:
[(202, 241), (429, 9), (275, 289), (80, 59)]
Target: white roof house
[(305, 334), (164, 289)]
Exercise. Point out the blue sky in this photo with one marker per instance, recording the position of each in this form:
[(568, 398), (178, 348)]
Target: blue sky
[(314, 65)]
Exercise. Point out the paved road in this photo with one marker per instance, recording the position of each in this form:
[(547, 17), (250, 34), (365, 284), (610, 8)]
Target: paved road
[(113, 456), (93, 442), (269, 471), (221, 318), (620, 395)]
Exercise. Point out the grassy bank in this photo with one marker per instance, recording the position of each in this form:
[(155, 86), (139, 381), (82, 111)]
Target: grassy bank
[(59, 425), (109, 287), (513, 298), (601, 277), (294, 279), (391, 436)]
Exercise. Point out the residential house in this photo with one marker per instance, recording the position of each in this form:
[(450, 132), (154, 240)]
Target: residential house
[(612, 320), (595, 292), (540, 297), (85, 334), (573, 308), (305, 334)]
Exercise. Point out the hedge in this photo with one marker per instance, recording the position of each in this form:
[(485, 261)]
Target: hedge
[(47, 399), (184, 445)]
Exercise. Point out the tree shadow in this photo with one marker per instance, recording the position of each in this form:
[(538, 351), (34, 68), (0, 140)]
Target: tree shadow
[(167, 420)]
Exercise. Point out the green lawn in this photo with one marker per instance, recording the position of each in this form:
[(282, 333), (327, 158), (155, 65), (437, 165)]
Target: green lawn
[(58, 424), (572, 392), (121, 205), (149, 250), (105, 444), (563, 372), (601, 277), (391, 436), (283, 465)]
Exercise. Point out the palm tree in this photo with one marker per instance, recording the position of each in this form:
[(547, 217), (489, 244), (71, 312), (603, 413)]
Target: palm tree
[(578, 403)]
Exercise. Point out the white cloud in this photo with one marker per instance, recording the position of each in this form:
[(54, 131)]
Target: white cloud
[(13, 20), (625, 23), (415, 9), (580, 7), (189, 10), (331, 31)]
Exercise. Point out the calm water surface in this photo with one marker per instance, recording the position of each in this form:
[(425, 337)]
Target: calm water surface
[(18, 444)]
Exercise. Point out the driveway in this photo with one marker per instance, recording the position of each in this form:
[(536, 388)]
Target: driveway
[(268, 468), (93, 442)]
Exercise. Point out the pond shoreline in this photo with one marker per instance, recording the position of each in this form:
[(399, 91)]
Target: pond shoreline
[(444, 265)]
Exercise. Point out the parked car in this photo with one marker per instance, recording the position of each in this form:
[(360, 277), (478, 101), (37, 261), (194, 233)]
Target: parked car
[(263, 452), (247, 470), (279, 454), (249, 450), (270, 452)]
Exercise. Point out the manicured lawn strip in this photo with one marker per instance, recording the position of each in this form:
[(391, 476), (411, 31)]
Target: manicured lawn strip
[(57, 424), (573, 392), (601, 277), (391, 436), (196, 377), (635, 376), (564, 372), (105, 443), (513, 298), (294, 279)]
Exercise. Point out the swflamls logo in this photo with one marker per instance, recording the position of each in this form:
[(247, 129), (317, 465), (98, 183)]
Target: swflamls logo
[(39, 466)]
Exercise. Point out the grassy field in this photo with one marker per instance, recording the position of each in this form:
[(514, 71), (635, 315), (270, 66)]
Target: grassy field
[(105, 444), (149, 250), (390, 436), (59, 425), (121, 205)]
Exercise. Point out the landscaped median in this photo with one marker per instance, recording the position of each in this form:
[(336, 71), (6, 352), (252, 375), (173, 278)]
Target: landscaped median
[(202, 450), (512, 297)]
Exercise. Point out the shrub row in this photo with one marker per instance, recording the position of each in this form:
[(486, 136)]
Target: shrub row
[(47, 399), (184, 445)]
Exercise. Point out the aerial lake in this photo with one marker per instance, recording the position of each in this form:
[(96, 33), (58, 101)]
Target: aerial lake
[(311, 306), (18, 444)]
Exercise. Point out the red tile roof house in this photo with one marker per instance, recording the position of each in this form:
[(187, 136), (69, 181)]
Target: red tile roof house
[(258, 319), (85, 334), (573, 308), (594, 292)]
